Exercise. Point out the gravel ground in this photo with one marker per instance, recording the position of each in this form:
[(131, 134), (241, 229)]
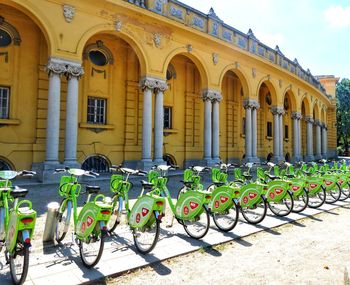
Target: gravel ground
[(314, 250)]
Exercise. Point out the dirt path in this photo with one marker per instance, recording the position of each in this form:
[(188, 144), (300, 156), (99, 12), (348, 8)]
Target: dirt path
[(315, 250)]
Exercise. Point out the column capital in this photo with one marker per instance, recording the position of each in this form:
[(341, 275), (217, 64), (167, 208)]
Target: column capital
[(296, 115), (324, 126), (56, 66), (153, 83), (277, 110), (309, 119), (251, 104), (74, 70), (317, 123), (212, 95)]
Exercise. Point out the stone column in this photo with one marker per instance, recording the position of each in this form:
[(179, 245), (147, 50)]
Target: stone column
[(248, 131), (159, 123), (277, 145), (216, 127), (324, 141), (309, 149), (296, 116), (318, 139), (55, 69), (281, 154), (73, 73)]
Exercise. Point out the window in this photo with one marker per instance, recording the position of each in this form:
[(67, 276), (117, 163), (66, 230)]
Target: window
[(286, 136), (168, 120), (96, 163), (98, 58), (269, 129), (5, 38), (4, 102), (96, 113), (243, 126)]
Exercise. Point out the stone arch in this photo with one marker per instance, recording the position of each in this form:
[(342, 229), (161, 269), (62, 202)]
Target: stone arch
[(38, 18), (272, 89), (307, 105), (316, 111), (323, 116), (122, 33), (240, 74), (192, 55), (292, 98)]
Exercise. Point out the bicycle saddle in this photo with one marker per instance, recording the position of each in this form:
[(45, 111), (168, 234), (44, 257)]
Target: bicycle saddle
[(218, 184), (92, 189), (146, 184), (290, 175), (271, 176), (19, 192), (188, 184)]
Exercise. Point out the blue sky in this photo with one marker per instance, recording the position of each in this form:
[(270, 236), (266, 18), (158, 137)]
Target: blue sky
[(316, 32)]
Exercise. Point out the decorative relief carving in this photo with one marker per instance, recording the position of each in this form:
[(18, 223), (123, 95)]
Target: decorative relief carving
[(64, 67), (189, 48), (99, 71), (254, 72), (227, 35), (277, 110), (5, 55), (177, 13), (157, 38), (215, 58), (211, 95), (198, 22), (68, 12), (118, 25), (309, 119), (153, 84), (251, 104), (296, 115)]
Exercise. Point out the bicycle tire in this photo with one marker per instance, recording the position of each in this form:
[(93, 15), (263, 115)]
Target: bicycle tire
[(261, 217), (16, 263), (333, 195), (63, 221), (187, 224), (100, 239), (321, 196), (303, 199), (114, 219), (345, 194), (140, 235), (276, 207), (219, 218)]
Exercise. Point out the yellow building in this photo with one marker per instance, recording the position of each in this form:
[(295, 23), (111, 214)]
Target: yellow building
[(136, 82)]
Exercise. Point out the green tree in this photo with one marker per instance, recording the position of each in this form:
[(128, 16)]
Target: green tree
[(343, 112)]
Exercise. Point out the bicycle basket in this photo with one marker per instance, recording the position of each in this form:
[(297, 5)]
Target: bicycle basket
[(65, 185), (116, 182)]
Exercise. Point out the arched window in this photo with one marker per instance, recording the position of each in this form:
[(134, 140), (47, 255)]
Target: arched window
[(96, 163), (5, 165), (98, 54)]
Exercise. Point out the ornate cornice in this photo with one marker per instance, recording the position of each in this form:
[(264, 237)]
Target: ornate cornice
[(212, 95), (309, 119), (296, 115), (277, 110), (74, 70), (251, 104), (153, 84)]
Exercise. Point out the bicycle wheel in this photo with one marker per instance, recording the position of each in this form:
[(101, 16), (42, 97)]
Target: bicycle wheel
[(63, 220), (333, 195), (91, 250), (300, 202), (255, 214), (345, 193), (198, 226), (114, 219), (19, 262), (146, 238), (283, 207), (317, 200), (227, 219)]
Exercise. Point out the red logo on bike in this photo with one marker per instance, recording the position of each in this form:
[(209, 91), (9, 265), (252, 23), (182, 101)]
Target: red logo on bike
[(83, 227), (340, 182), (313, 186), (138, 218), (328, 182), (186, 210), (216, 205), (252, 195), (193, 205), (272, 195), (279, 191), (144, 212), (223, 199), (295, 188), (89, 221), (245, 199)]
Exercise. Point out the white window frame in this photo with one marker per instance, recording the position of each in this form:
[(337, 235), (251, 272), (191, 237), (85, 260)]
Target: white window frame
[(4, 110), (96, 114), (170, 117)]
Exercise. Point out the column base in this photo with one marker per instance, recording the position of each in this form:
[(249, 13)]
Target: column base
[(159, 161), (45, 171), (72, 164), (252, 159), (318, 156), (145, 164), (194, 162), (309, 158), (296, 159)]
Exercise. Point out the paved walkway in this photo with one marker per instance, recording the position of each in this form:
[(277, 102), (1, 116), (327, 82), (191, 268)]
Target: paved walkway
[(61, 264)]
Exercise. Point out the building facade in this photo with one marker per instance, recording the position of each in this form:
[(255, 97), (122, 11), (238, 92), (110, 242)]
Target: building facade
[(103, 82)]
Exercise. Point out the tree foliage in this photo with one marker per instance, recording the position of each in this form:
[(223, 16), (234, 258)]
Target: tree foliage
[(343, 112)]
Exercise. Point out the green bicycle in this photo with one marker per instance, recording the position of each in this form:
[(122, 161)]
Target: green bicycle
[(90, 225), (146, 214), (190, 209), (16, 224)]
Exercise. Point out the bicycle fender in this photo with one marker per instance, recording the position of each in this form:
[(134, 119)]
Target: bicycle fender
[(221, 199), (276, 191), (189, 205)]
